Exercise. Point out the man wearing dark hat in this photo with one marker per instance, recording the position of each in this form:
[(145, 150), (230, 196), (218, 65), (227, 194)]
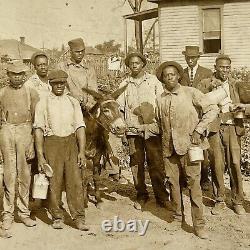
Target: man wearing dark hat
[(17, 103), (39, 81), (192, 75), (60, 142), (226, 130), (180, 130), (138, 104), (80, 74)]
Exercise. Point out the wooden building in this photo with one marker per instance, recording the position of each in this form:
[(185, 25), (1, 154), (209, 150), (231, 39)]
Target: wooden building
[(216, 26)]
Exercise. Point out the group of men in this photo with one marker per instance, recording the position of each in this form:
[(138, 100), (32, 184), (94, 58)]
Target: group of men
[(165, 114)]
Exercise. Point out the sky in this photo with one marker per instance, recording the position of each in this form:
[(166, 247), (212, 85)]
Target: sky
[(54, 22)]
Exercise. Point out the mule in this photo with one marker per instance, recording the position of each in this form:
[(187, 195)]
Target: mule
[(104, 118)]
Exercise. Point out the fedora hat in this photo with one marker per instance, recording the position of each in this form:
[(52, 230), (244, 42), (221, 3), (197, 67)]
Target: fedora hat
[(191, 51), (135, 54), (160, 69)]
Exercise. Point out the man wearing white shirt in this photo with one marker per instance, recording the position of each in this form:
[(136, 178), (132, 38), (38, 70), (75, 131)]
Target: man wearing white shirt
[(60, 142)]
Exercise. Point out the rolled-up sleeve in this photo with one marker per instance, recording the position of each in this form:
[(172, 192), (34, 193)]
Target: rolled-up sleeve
[(79, 122), (39, 119)]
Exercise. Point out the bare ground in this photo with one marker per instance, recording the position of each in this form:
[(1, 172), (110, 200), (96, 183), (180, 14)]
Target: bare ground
[(227, 231)]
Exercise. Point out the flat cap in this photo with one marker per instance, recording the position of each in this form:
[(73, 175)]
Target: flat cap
[(57, 76), (222, 57), (17, 67), (76, 44), (135, 54), (166, 64), (36, 54)]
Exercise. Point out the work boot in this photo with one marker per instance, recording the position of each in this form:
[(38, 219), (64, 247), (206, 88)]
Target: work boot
[(7, 223), (239, 209), (80, 224), (28, 222), (4, 234), (57, 224), (201, 233), (218, 208)]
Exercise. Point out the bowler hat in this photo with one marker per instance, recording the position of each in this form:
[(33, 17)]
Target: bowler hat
[(76, 44), (135, 54), (36, 54), (191, 51), (166, 64), (17, 67), (57, 76)]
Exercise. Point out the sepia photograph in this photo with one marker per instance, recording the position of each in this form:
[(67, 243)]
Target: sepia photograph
[(125, 124)]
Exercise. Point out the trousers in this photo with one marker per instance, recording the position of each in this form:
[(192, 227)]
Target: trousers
[(61, 154), (15, 140), (148, 150), (177, 166)]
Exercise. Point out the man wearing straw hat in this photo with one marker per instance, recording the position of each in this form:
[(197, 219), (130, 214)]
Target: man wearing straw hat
[(192, 76), (180, 130), (16, 143)]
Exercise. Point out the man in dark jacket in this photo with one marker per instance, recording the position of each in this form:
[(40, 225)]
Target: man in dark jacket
[(226, 131), (192, 76)]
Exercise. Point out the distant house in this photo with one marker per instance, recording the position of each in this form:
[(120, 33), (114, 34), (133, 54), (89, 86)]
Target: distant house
[(16, 50), (217, 26)]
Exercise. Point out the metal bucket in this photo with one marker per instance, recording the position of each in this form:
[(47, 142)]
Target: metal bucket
[(195, 154), (217, 95), (239, 115), (40, 187)]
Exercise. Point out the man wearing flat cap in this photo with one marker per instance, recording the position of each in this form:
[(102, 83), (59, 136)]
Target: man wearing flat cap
[(180, 130), (192, 76), (39, 81), (79, 74), (138, 104), (60, 142), (17, 103), (225, 132)]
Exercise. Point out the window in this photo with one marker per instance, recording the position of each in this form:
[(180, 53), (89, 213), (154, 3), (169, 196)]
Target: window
[(211, 30)]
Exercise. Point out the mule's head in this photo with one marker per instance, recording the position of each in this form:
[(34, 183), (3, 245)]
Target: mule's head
[(108, 111)]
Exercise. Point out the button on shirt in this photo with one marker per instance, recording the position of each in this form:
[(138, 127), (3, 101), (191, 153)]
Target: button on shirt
[(79, 76), (41, 87), (178, 118), (58, 115), (140, 95)]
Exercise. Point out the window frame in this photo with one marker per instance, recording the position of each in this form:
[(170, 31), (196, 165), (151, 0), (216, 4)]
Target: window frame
[(201, 9)]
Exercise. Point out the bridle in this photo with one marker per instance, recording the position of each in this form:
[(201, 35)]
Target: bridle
[(105, 125)]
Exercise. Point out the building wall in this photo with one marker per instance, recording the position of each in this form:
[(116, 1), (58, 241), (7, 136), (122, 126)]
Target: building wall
[(180, 25)]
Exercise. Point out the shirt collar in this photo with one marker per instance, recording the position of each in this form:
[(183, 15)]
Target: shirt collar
[(77, 65), (138, 81), (175, 91)]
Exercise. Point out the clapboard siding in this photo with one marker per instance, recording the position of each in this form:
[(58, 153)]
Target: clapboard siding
[(237, 33), (179, 25)]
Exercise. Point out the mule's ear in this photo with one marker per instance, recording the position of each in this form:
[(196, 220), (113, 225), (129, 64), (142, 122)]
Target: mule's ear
[(118, 92), (93, 93)]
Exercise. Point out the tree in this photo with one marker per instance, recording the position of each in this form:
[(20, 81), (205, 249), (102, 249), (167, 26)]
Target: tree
[(109, 47)]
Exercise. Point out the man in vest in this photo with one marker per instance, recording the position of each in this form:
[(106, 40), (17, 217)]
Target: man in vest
[(16, 143), (192, 76)]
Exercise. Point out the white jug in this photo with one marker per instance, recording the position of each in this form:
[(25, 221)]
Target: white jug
[(40, 187), (195, 154), (217, 95)]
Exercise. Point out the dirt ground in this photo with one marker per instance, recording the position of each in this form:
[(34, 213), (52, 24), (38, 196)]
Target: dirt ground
[(227, 231)]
